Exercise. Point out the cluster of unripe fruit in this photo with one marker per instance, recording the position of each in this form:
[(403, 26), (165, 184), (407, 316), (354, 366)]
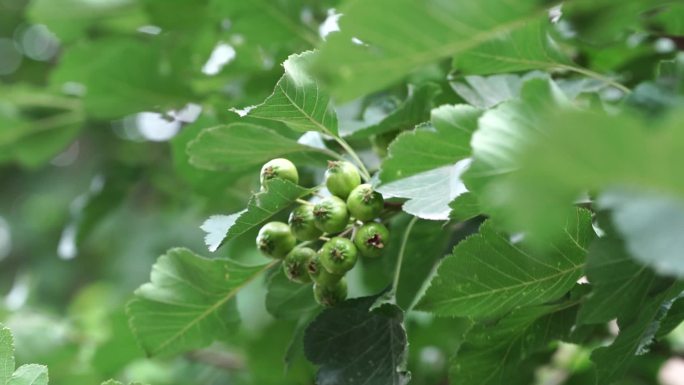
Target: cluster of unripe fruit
[(345, 221)]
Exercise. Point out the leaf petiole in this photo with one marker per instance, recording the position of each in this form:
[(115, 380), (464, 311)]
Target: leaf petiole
[(400, 258), (347, 148)]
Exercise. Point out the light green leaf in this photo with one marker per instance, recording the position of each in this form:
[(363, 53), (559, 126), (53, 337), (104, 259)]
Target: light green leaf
[(487, 275), (429, 192), (6, 354), (30, 374), (412, 111), (390, 49), (178, 15), (121, 76), (289, 300), (487, 92), (71, 19), (298, 101), (523, 49), (443, 143), (286, 26), (33, 141), (507, 129), (603, 22), (115, 382), (241, 146), (278, 195), (651, 225), (188, 303), (672, 19), (582, 151)]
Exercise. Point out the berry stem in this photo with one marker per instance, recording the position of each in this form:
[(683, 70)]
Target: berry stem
[(302, 201), (364, 172), (322, 238), (400, 258), (305, 243), (346, 231)]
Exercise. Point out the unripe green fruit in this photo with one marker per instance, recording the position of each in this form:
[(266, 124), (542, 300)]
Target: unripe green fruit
[(275, 240), (338, 255), (364, 203), (330, 295), (279, 168), (319, 274), (371, 239), (296, 264), (341, 178), (330, 215), (301, 222)]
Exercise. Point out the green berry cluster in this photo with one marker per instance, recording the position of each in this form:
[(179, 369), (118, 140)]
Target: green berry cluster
[(344, 223)]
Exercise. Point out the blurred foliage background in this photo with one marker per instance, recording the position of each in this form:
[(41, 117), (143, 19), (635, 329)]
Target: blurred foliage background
[(94, 180), (98, 100)]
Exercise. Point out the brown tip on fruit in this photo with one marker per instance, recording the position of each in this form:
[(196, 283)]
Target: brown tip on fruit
[(375, 241)]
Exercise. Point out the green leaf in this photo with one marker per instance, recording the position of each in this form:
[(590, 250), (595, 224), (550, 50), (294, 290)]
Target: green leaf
[(30, 374), (429, 192), (71, 19), (493, 353), (298, 101), (115, 382), (443, 143), (506, 130), (581, 151), (487, 275), (523, 49), (121, 76), (671, 19), (277, 195), (389, 50), (35, 125), (427, 243), (651, 226), (634, 339), (289, 300), (619, 284), (105, 193), (412, 111), (602, 22), (188, 303), (286, 27), (354, 346), (464, 207), (177, 15), (6, 354), (243, 146), (674, 318), (487, 92)]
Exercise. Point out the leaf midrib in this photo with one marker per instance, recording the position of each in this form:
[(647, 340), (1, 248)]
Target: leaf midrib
[(210, 310), (523, 284)]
